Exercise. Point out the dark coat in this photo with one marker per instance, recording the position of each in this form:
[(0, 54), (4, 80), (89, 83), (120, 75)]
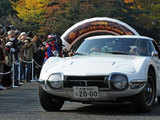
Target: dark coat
[(2, 58)]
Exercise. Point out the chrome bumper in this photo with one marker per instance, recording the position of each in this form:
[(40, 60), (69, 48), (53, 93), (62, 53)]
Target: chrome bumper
[(104, 94)]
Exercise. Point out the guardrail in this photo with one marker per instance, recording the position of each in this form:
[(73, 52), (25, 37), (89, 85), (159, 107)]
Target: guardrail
[(12, 71)]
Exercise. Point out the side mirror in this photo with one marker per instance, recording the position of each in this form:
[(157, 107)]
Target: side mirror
[(154, 54)]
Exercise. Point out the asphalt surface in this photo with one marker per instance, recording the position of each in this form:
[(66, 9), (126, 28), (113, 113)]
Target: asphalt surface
[(23, 104)]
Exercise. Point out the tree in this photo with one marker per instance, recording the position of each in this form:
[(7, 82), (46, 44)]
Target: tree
[(49, 16), (30, 14), (30, 10), (147, 16), (56, 20), (5, 10)]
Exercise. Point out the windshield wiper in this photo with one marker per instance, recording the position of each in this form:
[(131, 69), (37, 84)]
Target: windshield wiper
[(118, 52)]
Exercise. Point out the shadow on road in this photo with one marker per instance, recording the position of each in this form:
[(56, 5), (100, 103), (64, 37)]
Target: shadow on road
[(114, 109), (25, 100)]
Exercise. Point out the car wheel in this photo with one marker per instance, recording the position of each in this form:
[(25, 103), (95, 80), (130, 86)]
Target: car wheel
[(145, 100), (49, 102)]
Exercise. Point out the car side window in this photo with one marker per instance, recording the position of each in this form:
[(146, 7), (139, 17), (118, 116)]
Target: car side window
[(151, 48), (156, 48), (142, 48)]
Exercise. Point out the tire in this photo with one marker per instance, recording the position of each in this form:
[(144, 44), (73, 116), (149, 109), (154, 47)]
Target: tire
[(49, 102), (145, 100)]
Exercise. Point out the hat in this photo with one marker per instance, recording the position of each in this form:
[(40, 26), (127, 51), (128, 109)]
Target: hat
[(50, 36), (10, 32), (23, 33)]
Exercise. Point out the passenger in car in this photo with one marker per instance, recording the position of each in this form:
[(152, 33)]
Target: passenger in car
[(133, 51)]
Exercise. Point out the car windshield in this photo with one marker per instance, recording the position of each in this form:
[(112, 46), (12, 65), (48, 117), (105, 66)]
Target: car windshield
[(123, 46)]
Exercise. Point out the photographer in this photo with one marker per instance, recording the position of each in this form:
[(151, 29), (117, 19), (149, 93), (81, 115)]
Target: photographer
[(12, 50), (39, 59), (51, 47), (27, 52)]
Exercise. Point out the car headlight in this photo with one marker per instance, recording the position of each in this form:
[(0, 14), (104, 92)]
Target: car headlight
[(56, 80), (119, 81)]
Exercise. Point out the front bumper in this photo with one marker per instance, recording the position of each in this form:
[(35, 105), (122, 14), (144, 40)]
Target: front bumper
[(104, 94)]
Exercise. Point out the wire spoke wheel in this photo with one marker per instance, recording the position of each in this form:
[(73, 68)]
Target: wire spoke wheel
[(145, 100), (149, 93)]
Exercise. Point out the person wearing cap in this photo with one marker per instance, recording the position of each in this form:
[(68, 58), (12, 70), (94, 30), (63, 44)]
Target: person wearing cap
[(51, 48), (14, 48), (22, 36), (11, 51), (11, 35), (26, 56), (39, 59)]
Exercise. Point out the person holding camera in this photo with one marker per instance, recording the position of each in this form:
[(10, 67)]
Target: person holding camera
[(11, 50)]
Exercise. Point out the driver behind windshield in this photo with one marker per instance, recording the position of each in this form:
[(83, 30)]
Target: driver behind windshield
[(115, 46), (109, 46), (96, 48)]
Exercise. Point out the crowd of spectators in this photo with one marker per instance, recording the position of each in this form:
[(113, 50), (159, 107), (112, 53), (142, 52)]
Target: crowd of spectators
[(19, 49)]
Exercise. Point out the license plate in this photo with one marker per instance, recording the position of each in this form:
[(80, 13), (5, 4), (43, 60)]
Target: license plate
[(85, 92)]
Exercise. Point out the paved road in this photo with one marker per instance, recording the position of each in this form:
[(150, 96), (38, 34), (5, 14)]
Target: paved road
[(22, 104)]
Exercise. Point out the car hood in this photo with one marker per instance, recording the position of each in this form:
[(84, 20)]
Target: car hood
[(95, 65)]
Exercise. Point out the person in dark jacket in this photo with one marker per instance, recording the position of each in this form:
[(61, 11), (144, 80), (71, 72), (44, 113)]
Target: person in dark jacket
[(60, 45), (2, 61), (39, 59), (27, 56), (12, 54)]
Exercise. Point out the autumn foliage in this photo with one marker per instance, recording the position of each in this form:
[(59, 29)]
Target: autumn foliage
[(48, 16), (30, 10), (128, 1)]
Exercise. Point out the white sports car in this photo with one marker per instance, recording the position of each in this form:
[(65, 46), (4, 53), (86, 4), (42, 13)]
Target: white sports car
[(104, 68)]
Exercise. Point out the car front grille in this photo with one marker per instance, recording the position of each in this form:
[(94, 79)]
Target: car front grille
[(84, 81), (85, 77)]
